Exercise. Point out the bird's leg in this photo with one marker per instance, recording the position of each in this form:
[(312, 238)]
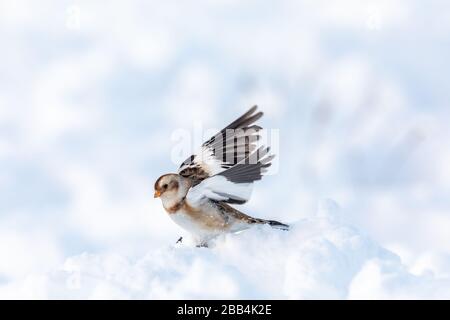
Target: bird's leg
[(179, 240)]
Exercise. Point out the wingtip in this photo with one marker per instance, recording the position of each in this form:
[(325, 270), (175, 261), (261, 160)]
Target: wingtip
[(246, 119), (253, 108), (252, 112), (256, 108)]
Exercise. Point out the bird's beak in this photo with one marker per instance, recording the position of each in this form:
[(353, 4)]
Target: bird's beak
[(157, 194)]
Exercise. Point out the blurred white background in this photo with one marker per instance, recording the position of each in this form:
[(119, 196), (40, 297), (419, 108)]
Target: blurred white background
[(91, 91)]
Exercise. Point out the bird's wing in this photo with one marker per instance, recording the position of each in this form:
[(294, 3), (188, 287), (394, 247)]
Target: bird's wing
[(225, 150), (233, 185)]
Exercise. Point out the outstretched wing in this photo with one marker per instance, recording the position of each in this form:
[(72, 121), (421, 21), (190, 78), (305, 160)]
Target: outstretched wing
[(233, 185), (227, 164), (225, 149)]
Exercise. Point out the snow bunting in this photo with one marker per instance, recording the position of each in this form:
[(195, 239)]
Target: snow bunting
[(221, 173)]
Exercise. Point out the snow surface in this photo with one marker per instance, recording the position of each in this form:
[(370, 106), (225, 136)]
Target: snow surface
[(320, 258)]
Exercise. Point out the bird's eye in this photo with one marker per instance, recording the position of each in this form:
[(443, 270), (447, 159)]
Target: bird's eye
[(165, 186)]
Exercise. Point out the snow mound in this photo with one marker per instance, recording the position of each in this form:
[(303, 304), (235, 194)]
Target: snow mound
[(319, 258)]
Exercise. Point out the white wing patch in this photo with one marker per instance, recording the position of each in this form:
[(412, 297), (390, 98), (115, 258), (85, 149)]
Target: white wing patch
[(219, 188)]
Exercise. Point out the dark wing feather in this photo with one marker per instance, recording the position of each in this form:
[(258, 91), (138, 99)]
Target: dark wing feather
[(227, 164), (245, 172), (225, 149)]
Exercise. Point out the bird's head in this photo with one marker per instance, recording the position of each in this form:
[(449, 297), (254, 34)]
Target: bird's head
[(167, 186)]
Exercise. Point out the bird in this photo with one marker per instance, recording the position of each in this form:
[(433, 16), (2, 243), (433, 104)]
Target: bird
[(201, 196)]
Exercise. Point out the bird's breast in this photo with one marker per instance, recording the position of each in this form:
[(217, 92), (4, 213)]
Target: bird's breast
[(205, 219)]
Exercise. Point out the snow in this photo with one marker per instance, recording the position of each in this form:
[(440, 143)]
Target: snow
[(321, 257), (91, 96)]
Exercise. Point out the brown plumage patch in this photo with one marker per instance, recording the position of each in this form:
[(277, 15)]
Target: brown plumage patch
[(248, 219), (238, 214), (196, 174), (174, 209), (207, 221), (159, 179), (171, 185), (213, 221)]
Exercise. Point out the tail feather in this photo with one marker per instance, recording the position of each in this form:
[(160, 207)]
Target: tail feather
[(272, 223), (277, 224), (227, 209)]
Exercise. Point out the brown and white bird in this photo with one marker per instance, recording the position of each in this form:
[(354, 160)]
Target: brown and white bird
[(198, 197)]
